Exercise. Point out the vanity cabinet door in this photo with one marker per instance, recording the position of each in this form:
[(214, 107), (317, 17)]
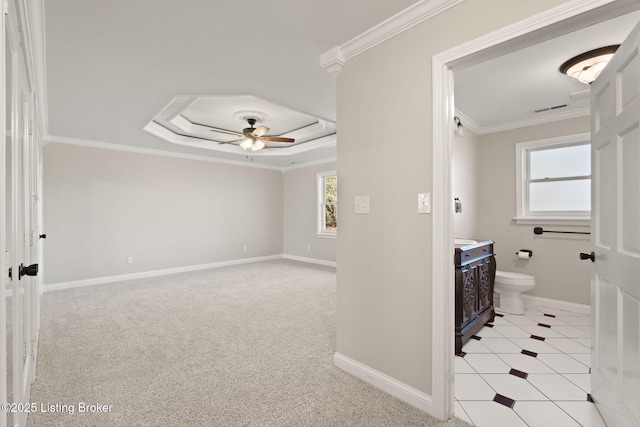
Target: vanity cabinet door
[(469, 294), (485, 274)]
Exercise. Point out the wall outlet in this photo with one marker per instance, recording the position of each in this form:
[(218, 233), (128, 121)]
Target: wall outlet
[(362, 204), (244, 248), (308, 247), (130, 260)]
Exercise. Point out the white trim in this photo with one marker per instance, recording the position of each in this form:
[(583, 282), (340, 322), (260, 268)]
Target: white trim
[(442, 279), (310, 260), (557, 304), (333, 59), (154, 152), (167, 271), (583, 222), (286, 169), (178, 155), (544, 118), (385, 383), (537, 120), (321, 178), (4, 254), (39, 63), (154, 273), (522, 150), (442, 330)]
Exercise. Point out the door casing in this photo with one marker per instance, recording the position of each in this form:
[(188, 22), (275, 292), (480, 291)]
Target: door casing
[(559, 20)]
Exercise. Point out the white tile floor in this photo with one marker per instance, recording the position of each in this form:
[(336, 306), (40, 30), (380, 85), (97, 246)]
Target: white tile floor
[(539, 362)]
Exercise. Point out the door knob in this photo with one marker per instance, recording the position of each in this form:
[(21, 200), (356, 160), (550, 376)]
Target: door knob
[(591, 256), (31, 270)]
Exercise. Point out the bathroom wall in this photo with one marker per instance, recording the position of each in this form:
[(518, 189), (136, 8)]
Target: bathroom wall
[(466, 165), (559, 273)]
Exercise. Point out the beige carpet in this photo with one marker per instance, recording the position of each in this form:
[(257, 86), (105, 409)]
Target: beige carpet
[(248, 345)]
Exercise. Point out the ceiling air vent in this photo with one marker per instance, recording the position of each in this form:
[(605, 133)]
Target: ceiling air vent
[(542, 110)]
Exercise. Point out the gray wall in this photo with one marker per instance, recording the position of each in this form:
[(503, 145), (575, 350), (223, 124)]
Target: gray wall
[(555, 264), (103, 206), (384, 277), (300, 213), (465, 183)]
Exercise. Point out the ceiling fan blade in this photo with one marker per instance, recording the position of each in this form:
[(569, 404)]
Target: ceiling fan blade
[(231, 142), (260, 130), (277, 139)]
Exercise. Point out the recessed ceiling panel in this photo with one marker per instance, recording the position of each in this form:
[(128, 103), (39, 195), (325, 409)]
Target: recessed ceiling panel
[(216, 122)]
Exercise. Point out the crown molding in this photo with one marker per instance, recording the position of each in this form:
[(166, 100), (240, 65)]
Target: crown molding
[(468, 123), (478, 129), (540, 120), (334, 59), (152, 151), (286, 169)]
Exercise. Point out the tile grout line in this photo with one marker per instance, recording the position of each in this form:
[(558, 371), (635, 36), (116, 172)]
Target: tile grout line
[(524, 375)]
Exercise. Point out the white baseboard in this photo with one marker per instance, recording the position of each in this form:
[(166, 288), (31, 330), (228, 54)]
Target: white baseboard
[(154, 273), (310, 260), (406, 393), (559, 305)]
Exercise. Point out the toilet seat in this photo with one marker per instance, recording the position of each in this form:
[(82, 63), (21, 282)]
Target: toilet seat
[(510, 278)]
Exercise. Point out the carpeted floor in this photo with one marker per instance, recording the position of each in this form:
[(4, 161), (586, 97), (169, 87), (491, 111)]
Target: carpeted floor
[(249, 345)]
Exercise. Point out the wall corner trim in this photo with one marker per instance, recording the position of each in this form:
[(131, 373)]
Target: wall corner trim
[(334, 59), (310, 260), (406, 393)]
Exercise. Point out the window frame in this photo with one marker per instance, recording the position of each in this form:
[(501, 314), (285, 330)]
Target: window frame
[(523, 214), (321, 179)]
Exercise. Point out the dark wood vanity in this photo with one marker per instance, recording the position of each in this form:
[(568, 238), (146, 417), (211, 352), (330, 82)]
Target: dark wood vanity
[(475, 274)]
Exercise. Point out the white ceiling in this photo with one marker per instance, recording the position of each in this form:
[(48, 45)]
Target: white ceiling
[(113, 67), (504, 92)]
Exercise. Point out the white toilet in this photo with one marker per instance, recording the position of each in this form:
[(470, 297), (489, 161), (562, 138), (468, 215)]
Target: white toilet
[(510, 287)]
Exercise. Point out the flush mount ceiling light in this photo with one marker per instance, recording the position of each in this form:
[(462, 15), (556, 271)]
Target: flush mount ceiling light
[(586, 67)]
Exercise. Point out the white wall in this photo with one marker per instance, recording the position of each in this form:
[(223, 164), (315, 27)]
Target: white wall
[(300, 213), (555, 264), (465, 183), (384, 296), (103, 206)]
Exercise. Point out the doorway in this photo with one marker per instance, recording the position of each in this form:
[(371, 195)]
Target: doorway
[(564, 19)]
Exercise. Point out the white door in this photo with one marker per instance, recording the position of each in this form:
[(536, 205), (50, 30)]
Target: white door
[(615, 126), (21, 292)]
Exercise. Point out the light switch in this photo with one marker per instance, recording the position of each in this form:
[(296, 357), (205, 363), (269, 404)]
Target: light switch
[(362, 204), (424, 203)]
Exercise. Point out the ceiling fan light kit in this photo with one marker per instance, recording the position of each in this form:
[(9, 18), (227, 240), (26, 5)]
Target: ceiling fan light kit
[(253, 138), (586, 67)]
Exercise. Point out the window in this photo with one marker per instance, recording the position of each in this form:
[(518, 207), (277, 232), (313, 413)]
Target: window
[(553, 181), (327, 204)]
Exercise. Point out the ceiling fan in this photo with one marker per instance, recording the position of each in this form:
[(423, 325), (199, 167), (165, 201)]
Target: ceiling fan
[(253, 138)]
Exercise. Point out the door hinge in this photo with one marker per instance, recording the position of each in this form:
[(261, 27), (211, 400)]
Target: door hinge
[(5, 6)]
